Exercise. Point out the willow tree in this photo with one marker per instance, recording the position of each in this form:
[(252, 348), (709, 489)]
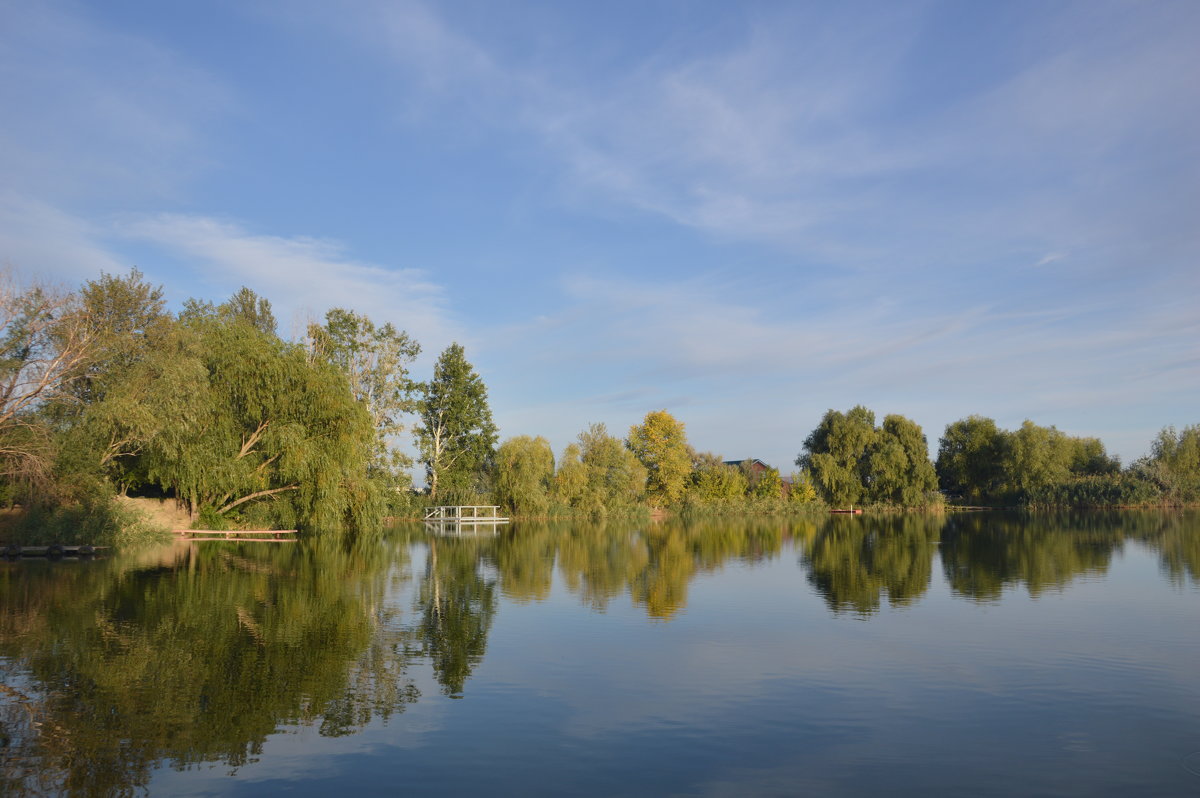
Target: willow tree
[(898, 464), (237, 422), (570, 481), (598, 474), (971, 456), (660, 444), (456, 433), (104, 417), (835, 455), (615, 477), (524, 473)]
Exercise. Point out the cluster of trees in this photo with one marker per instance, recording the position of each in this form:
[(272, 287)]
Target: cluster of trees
[(1034, 465), (852, 461), (600, 474), (104, 391)]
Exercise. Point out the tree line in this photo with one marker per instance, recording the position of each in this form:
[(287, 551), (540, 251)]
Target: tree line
[(103, 391)]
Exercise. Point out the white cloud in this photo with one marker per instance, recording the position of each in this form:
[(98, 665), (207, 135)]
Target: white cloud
[(300, 275), (750, 381)]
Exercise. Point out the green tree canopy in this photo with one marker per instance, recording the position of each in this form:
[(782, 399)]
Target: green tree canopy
[(767, 484), (835, 455), (898, 464), (1175, 461), (128, 317), (375, 361), (980, 462), (524, 472), (614, 478), (232, 420), (660, 444), (571, 480), (456, 433), (247, 306), (971, 455), (713, 482)]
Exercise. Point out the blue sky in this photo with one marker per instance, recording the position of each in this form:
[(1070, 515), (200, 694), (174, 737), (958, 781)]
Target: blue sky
[(745, 213)]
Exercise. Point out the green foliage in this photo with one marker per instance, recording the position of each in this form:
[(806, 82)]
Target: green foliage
[(835, 455), (802, 490), (571, 480), (850, 461), (92, 516), (128, 317), (615, 476), (1037, 458), (1124, 489), (456, 433), (1175, 463), (524, 473), (375, 361), (713, 482), (898, 464), (660, 444), (1036, 465), (970, 461), (598, 475), (249, 308), (767, 484), (224, 416)]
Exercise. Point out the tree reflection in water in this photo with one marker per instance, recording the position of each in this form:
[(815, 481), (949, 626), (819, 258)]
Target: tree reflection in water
[(112, 668), (455, 604), (854, 561), (115, 667)]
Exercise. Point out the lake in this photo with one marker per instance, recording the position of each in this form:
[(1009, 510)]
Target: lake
[(982, 654)]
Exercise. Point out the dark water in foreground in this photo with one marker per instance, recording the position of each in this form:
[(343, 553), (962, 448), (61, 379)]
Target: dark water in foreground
[(981, 655)]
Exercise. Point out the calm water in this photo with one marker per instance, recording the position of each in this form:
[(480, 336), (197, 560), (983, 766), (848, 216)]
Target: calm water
[(982, 655)]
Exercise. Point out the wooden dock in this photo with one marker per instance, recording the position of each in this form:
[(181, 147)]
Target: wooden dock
[(464, 519), (53, 550), (241, 535)]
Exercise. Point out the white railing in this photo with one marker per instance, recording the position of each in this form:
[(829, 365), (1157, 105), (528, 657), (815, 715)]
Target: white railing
[(474, 513)]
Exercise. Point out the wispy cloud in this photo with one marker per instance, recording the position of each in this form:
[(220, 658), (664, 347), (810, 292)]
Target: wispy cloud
[(815, 134), (301, 275), (37, 238)]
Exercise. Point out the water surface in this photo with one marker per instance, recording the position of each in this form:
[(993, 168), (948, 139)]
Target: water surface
[(983, 654)]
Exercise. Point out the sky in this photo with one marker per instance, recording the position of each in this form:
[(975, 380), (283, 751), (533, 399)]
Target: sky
[(743, 213)]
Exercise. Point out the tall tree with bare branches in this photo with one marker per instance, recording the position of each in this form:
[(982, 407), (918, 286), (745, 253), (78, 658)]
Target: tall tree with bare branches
[(46, 341)]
